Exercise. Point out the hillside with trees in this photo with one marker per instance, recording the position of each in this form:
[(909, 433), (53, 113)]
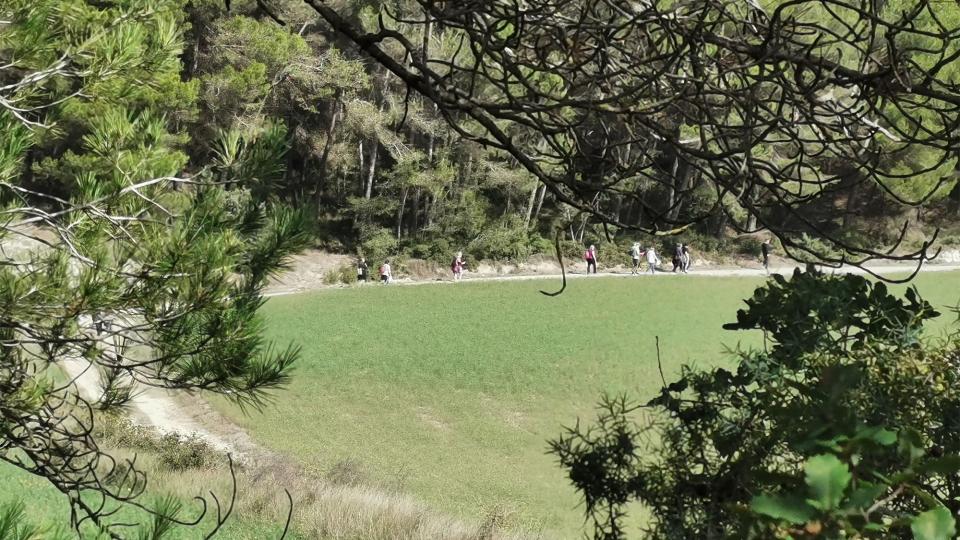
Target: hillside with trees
[(285, 108), (162, 159)]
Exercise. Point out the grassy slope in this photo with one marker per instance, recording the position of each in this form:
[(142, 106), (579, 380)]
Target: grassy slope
[(47, 508), (452, 391)]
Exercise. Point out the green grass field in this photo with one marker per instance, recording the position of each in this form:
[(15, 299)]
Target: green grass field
[(48, 509), (452, 391)]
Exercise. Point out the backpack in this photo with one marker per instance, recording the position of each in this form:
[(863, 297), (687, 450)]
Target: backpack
[(382, 267)]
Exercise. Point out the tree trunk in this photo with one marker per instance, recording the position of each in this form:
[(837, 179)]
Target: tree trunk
[(672, 191), (530, 204), (954, 194), (403, 204), (583, 227), (721, 223), (374, 152), (955, 198), (325, 155), (360, 165), (429, 202), (427, 35), (543, 192), (416, 210), (750, 206)]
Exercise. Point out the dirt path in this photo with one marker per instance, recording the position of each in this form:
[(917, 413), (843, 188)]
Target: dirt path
[(303, 284), (172, 411)]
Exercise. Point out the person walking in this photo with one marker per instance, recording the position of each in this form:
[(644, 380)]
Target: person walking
[(765, 251), (685, 258), (652, 260), (591, 257), (386, 274), (677, 257), (457, 266), (362, 270), (635, 255)]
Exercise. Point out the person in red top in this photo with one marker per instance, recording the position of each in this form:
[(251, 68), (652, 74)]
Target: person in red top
[(591, 257)]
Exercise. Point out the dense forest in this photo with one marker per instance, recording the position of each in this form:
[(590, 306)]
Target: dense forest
[(278, 107)]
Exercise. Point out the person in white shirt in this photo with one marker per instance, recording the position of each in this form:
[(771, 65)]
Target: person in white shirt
[(652, 260), (635, 255), (386, 276)]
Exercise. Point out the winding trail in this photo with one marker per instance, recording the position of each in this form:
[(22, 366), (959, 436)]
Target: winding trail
[(888, 270), (173, 411), (188, 414)]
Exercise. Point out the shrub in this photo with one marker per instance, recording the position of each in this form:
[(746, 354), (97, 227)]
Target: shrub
[(345, 274), (846, 425), (348, 472), (506, 239), (378, 245), (746, 245), (808, 248), (174, 451), (179, 453), (437, 250)]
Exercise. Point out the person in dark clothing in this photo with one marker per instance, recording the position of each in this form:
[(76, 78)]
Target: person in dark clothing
[(362, 270), (677, 257), (765, 251)]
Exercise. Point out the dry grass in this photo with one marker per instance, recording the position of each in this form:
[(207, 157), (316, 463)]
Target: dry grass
[(338, 505), (420, 270)]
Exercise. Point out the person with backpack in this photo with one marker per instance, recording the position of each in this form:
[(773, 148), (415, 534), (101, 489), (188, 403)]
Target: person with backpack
[(590, 256), (386, 274), (652, 259), (362, 270), (457, 266), (635, 252)]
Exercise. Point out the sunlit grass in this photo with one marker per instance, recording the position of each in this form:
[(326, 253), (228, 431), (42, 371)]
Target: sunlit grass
[(452, 391)]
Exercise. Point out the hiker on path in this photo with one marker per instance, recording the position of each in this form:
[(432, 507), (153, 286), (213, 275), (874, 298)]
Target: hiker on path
[(677, 257), (652, 260), (362, 270), (457, 266), (635, 251), (591, 257), (386, 274), (685, 258), (765, 251)]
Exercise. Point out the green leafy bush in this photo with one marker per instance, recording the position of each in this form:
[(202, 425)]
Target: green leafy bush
[(847, 425), (378, 245), (506, 239), (345, 274)]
